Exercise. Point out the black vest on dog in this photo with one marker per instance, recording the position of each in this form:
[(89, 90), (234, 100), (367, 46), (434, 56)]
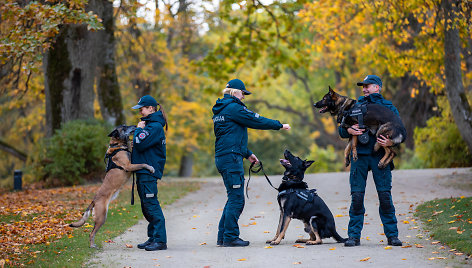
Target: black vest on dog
[(110, 163)]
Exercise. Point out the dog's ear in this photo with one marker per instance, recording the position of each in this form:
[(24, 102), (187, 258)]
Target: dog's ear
[(308, 163), (331, 91), (114, 133)]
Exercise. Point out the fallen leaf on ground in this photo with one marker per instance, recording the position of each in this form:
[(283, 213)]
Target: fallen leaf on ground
[(203, 243), (388, 247), (298, 246), (298, 262), (333, 248), (268, 247), (406, 246), (365, 259), (458, 253), (129, 245), (435, 242), (419, 246), (441, 258), (339, 215), (266, 232), (242, 259)]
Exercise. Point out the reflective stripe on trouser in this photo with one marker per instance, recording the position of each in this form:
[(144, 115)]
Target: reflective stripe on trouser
[(147, 190), (231, 169), (383, 184)]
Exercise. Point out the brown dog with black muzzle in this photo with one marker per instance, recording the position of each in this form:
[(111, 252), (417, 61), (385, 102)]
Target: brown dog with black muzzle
[(119, 169)]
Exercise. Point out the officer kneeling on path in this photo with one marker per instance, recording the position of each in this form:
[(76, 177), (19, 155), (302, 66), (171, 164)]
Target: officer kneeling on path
[(231, 119), (368, 160), (149, 147)]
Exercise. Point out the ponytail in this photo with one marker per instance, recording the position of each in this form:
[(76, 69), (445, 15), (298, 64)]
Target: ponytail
[(163, 114)]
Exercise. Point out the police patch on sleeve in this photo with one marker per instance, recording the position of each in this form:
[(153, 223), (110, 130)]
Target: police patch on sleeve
[(142, 135)]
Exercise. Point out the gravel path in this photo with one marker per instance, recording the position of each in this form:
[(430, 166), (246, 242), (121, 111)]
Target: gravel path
[(192, 227)]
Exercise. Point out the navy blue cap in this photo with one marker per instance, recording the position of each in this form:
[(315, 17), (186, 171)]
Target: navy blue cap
[(238, 84), (146, 101), (371, 79)]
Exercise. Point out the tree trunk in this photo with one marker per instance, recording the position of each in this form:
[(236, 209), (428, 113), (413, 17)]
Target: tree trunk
[(108, 90), (186, 164), (71, 67), (69, 75), (460, 107)]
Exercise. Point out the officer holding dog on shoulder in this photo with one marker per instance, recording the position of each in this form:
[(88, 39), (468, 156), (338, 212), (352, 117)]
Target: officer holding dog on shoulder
[(149, 147), (231, 119), (368, 160)]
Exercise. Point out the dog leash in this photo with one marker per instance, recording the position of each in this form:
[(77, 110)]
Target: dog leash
[(132, 191), (261, 167)]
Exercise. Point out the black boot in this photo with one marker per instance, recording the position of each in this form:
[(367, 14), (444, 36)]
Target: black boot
[(394, 241), (351, 242), (238, 242), (156, 246), (143, 245)]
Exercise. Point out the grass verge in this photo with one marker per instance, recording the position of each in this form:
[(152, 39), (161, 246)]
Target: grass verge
[(449, 221), (72, 248)]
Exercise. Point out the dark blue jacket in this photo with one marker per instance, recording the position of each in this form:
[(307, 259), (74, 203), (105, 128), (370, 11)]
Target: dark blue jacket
[(149, 144), (372, 98), (231, 119)]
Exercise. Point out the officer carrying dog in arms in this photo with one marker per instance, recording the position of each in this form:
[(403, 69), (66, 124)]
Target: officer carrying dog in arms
[(231, 119), (367, 160)]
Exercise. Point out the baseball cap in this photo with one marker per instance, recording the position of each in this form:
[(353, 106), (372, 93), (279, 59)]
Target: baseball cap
[(371, 79), (145, 101), (237, 84)]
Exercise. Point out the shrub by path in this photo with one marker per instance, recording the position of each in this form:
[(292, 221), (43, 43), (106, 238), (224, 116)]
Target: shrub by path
[(192, 227)]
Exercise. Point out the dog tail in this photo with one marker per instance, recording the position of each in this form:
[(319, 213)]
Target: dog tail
[(338, 238), (84, 218)]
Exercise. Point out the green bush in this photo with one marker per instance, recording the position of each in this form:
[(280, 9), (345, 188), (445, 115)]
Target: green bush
[(72, 153), (439, 144)]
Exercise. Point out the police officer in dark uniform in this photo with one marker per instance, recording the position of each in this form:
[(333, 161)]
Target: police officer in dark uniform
[(368, 160), (231, 119), (149, 147)]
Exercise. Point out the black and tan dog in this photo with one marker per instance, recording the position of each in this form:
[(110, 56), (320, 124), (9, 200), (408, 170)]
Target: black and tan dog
[(296, 201), (378, 119), (119, 169)]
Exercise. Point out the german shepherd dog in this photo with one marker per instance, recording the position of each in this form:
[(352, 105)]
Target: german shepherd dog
[(115, 178), (378, 119), (296, 201)]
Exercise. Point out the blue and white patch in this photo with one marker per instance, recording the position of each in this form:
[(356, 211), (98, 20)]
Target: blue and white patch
[(257, 115), (141, 136), (366, 78)]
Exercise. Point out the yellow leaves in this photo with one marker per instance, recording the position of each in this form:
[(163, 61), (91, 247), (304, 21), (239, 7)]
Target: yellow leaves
[(298, 262), (333, 248), (388, 247), (298, 246), (268, 247), (365, 259), (406, 222), (242, 259), (338, 216), (203, 243), (128, 245)]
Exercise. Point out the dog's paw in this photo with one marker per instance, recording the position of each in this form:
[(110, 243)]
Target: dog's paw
[(269, 241), (301, 240), (273, 243), (314, 242)]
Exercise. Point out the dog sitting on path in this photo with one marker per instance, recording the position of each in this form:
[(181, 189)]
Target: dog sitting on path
[(119, 169), (376, 118), (296, 201)]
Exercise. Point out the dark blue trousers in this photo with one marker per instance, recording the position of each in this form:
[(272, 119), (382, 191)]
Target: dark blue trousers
[(147, 190), (231, 169), (383, 184)]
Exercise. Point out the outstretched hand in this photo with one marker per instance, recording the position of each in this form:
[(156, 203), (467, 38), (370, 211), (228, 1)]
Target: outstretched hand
[(286, 126)]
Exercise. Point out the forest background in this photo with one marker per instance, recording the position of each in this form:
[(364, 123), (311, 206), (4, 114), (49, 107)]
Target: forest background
[(71, 70)]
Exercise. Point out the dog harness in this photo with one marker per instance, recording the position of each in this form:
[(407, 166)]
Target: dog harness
[(358, 111), (308, 195), (110, 163)]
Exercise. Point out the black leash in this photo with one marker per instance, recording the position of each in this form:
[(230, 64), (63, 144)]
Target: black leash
[(251, 168), (132, 191)]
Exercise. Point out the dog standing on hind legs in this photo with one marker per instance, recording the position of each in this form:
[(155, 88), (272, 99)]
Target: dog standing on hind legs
[(119, 169), (296, 201)]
